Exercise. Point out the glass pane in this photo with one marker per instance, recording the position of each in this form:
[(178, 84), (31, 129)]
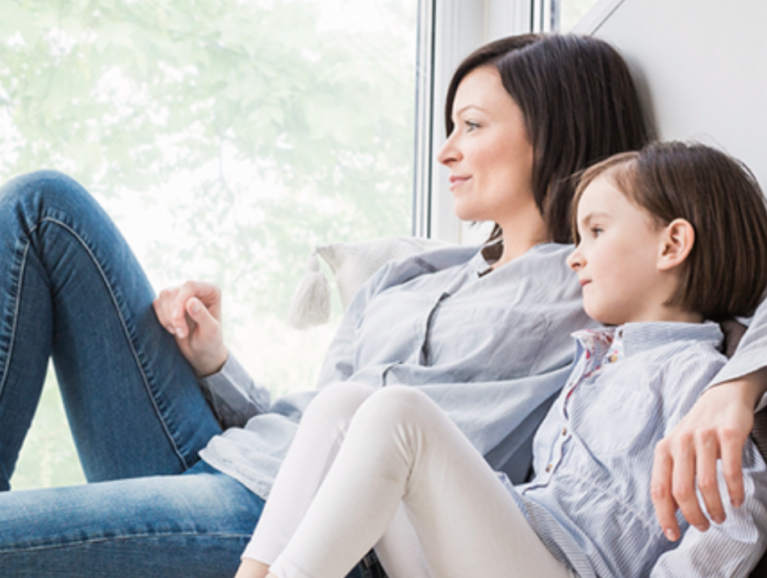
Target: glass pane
[(570, 11), (226, 137)]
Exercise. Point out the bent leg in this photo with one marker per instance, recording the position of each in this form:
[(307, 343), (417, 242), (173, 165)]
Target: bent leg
[(173, 526), (401, 448), (322, 431), (71, 287), (314, 448)]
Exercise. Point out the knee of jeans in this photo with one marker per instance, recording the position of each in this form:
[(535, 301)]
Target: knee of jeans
[(36, 191), (338, 402)]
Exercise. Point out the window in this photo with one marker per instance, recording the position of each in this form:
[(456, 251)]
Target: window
[(560, 15), (227, 138)]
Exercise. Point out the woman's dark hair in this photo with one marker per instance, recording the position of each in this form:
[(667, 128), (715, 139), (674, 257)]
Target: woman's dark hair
[(724, 274), (580, 106)]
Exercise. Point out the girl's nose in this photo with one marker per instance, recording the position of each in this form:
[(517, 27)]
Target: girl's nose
[(575, 260)]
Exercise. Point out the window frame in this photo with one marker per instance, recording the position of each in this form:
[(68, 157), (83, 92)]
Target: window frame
[(448, 30)]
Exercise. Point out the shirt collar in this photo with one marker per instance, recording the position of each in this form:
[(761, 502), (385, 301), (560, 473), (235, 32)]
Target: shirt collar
[(611, 344)]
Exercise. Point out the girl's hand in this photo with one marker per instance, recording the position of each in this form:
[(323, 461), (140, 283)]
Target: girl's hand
[(716, 428), (192, 314), (252, 569)]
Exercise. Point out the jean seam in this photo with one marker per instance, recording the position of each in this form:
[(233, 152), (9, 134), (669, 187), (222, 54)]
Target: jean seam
[(17, 304), (123, 325), (102, 540)]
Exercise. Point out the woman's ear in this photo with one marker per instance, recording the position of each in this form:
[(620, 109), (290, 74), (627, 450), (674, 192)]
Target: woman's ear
[(676, 243)]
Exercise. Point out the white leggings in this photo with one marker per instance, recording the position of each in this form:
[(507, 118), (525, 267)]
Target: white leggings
[(404, 479)]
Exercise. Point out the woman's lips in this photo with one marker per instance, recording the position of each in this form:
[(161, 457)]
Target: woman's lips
[(457, 180), (584, 282)]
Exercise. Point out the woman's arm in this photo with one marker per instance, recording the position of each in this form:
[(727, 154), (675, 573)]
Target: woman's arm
[(733, 548), (716, 428)]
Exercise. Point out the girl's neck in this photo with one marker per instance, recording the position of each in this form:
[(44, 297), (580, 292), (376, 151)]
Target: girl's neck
[(666, 313)]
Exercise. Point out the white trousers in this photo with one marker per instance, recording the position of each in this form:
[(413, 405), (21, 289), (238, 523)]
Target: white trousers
[(388, 469)]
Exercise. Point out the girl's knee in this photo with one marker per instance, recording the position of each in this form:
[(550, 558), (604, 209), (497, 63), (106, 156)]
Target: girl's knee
[(400, 404), (338, 402)]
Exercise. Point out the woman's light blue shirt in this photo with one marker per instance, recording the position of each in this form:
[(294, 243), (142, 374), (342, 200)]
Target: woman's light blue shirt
[(491, 349)]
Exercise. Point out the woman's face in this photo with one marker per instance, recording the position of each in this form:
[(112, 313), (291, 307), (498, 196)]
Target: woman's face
[(488, 153)]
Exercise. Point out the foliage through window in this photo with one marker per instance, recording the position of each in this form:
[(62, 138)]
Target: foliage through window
[(226, 137)]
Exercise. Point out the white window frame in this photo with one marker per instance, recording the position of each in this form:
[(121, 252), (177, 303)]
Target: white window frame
[(448, 31)]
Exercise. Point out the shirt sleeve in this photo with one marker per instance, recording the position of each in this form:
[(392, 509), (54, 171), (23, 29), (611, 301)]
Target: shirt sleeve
[(733, 548), (233, 394), (751, 354)]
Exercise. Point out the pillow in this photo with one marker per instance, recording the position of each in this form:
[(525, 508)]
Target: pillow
[(351, 264)]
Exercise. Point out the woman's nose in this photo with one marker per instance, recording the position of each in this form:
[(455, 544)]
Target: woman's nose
[(449, 152)]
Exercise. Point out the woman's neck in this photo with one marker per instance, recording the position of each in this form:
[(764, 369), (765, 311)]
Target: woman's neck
[(520, 235)]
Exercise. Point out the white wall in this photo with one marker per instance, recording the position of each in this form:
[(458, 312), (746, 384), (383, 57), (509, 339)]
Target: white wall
[(704, 66)]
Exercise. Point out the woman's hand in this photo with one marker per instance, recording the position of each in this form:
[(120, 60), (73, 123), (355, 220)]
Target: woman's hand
[(192, 314), (716, 428)]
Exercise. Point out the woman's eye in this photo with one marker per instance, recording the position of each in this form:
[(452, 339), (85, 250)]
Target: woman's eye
[(471, 125), (596, 231)]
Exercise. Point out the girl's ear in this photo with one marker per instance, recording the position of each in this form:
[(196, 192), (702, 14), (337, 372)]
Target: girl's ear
[(676, 243)]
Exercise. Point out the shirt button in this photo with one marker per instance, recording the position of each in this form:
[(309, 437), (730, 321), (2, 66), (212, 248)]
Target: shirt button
[(564, 431), (548, 468), (620, 333), (613, 358)]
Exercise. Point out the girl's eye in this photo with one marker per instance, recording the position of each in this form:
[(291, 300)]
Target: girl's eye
[(596, 231)]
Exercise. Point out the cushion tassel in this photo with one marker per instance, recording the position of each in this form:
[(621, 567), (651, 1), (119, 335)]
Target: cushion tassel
[(310, 304)]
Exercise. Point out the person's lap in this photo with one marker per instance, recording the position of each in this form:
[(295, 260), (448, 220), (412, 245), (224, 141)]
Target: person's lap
[(72, 289), (196, 524)]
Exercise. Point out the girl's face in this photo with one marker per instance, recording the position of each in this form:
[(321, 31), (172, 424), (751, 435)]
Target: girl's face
[(617, 257), (489, 154)]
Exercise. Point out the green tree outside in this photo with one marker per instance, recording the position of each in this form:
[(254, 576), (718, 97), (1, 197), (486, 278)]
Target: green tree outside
[(242, 134)]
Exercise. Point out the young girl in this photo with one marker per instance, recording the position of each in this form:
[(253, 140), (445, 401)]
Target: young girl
[(668, 237)]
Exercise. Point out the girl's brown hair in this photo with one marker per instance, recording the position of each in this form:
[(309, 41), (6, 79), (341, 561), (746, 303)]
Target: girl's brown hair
[(725, 273), (580, 106)]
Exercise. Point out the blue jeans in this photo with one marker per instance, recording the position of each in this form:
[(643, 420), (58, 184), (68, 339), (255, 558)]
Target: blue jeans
[(70, 288)]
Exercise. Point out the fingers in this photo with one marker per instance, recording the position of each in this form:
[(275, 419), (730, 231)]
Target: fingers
[(164, 305), (200, 316), (171, 305), (683, 481), (660, 491), (207, 350), (732, 465), (706, 454)]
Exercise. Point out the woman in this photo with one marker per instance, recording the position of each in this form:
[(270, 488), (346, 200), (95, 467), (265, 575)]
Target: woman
[(484, 333)]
